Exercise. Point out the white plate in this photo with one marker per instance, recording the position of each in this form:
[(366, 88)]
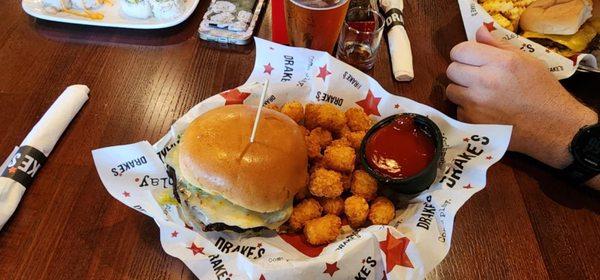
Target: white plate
[(113, 16)]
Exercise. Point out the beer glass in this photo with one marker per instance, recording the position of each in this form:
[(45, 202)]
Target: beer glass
[(315, 24)]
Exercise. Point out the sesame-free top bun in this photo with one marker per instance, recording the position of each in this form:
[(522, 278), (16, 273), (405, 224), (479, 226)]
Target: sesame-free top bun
[(216, 155), (560, 17)]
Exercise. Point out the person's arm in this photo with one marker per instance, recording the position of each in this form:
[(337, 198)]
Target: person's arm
[(494, 82)]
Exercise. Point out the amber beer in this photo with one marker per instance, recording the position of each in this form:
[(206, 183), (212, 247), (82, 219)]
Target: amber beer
[(315, 24)]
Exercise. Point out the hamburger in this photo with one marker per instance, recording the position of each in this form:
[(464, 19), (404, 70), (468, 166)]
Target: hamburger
[(564, 26), (224, 182)]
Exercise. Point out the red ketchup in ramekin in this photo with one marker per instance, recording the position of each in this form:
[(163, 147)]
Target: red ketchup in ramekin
[(400, 149)]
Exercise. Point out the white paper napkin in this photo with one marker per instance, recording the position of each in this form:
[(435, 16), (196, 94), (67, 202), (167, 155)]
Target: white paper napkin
[(399, 44), (25, 162)]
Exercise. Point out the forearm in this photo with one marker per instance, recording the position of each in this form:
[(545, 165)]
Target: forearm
[(552, 145)]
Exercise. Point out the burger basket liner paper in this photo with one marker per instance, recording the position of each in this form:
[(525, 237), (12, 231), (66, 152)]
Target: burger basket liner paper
[(474, 16), (409, 247)]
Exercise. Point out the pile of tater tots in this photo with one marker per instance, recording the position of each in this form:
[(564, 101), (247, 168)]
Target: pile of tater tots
[(338, 190)]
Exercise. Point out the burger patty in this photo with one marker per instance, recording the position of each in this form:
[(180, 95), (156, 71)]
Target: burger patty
[(210, 227), (550, 44)]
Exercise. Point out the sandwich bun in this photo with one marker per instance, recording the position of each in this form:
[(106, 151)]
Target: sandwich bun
[(557, 17), (215, 153)]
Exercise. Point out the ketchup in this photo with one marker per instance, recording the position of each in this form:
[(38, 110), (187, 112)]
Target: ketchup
[(400, 149)]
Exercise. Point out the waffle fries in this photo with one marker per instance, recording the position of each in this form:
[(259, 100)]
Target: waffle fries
[(506, 12)]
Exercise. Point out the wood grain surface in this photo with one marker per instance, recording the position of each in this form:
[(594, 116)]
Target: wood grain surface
[(526, 224)]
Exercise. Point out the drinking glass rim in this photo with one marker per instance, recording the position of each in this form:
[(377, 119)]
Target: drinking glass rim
[(382, 20), (296, 2)]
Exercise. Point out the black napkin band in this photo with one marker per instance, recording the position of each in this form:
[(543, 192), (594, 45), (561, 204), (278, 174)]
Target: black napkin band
[(24, 165), (393, 17)]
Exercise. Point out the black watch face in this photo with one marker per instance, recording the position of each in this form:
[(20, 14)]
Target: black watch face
[(586, 147)]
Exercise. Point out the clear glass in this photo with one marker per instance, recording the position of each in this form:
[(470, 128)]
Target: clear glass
[(315, 24), (360, 37)]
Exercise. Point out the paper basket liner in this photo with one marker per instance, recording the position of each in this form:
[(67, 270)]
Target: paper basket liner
[(412, 245)]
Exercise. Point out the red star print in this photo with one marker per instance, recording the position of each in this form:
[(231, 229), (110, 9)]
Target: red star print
[(262, 277), (396, 106), (488, 157), (195, 249), (331, 268), (490, 26), (12, 170), (234, 96), (174, 234), (259, 245), (369, 104), (323, 72), (466, 139), (268, 68), (126, 194), (574, 59), (395, 251), (468, 186)]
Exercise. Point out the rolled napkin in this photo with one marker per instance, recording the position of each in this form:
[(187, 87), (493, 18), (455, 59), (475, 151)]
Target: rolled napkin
[(399, 45), (26, 160)]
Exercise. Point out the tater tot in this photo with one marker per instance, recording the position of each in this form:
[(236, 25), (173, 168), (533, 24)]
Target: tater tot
[(311, 112), (306, 131), (323, 230), (340, 158), (313, 148), (306, 210), (363, 185), (342, 142), (321, 136), (343, 132), (325, 183), (356, 209), (357, 119), (294, 110), (324, 115), (355, 138), (333, 206), (272, 106), (382, 211)]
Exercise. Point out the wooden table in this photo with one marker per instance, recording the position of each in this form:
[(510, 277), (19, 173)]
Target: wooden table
[(524, 224)]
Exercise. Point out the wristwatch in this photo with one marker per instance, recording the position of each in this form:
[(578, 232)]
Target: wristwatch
[(585, 149)]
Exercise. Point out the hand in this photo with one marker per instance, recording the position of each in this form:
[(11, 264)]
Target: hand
[(494, 82)]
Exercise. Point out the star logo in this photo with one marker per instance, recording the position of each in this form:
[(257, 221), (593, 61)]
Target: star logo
[(490, 26), (468, 186), (12, 170), (396, 106), (234, 96), (488, 157), (268, 68), (259, 245), (395, 251), (174, 234), (466, 139), (126, 194), (323, 72), (331, 268), (369, 104), (195, 249), (574, 59)]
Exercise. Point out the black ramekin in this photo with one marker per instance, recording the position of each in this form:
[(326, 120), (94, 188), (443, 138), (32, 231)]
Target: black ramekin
[(422, 180)]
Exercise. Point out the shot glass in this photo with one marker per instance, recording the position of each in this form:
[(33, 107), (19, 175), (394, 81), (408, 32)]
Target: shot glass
[(360, 37)]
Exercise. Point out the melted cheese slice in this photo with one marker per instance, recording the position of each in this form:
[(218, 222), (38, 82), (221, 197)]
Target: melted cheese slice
[(211, 208), (577, 42)]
